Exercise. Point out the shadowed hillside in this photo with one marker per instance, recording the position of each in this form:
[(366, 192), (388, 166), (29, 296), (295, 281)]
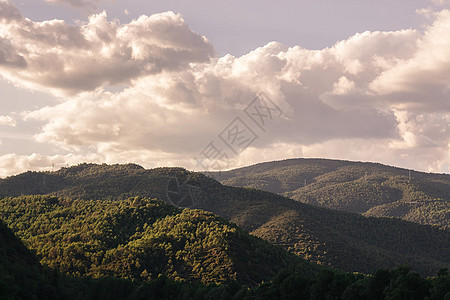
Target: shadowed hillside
[(142, 239), (366, 188), (21, 275), (334, 238)]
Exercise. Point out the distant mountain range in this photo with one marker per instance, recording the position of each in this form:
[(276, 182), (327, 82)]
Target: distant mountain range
[(343, 240), (370, 189)]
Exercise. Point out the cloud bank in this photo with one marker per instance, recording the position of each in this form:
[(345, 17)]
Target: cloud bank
[(7, 121), (377, 96), (67, 59)]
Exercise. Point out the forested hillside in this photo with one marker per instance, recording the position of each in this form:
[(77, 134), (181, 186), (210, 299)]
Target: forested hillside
[(22, 277), (344, 240), (369, 189), (142, 239), (339, 239), (90, 181)]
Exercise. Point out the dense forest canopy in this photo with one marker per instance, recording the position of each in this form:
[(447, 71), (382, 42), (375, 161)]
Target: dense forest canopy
[(100, 231), (140, 238), (22, 277), (337, 239), (370, 189)]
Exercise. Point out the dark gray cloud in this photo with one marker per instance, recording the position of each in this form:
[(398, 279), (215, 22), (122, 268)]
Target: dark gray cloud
[(9, 57), (8, 12)]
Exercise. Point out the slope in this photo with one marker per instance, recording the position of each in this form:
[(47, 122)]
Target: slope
[(142, 239), (21, 275), (334, 238), (369, 189)]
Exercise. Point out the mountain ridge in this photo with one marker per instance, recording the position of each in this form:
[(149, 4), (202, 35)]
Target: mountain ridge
[(333, 238), (371, 189)]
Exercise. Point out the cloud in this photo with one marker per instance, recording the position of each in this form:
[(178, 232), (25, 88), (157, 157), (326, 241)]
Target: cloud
[(7, 121), (421, 81), (11, 164), (426, 159), (8, 56), (9, 12), (377, 96), (441, 2), (68, 59)]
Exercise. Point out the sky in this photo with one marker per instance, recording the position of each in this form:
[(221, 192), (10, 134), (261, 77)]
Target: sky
[(210, 85)]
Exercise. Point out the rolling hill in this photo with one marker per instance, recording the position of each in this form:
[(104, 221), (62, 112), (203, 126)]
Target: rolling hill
[(370, 189), (142, 239), (22, 277), (343, 240)]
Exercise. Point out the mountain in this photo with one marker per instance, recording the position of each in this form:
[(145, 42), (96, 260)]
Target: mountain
[(90, 181), (339, 239), (370, 189), (142, 239), (343, 240), (21, 275)]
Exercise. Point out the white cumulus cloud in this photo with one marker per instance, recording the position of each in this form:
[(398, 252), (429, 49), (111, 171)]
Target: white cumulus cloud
[(441, 2), (7, 121), (11, 164), (377, 96), (68, 59)]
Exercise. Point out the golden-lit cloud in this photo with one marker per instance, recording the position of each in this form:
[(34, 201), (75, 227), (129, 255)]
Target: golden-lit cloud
[(376, 96), (67, 59)]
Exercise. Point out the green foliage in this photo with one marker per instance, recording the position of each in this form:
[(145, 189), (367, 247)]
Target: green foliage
[(332, 238), (95, 241), (399, 283), (140, 239), (337, 239), (92, 182), (21, 275), (364, 188)]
